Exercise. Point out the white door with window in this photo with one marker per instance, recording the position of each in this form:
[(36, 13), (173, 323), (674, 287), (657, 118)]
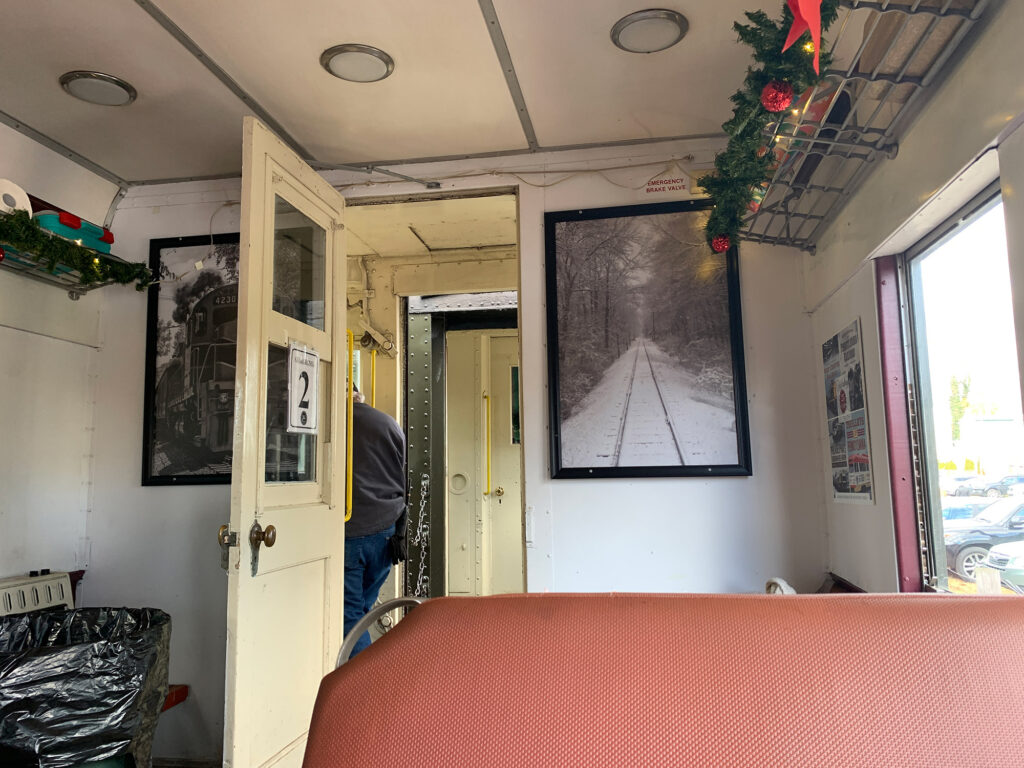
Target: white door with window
[(485, 512), (288, 484)]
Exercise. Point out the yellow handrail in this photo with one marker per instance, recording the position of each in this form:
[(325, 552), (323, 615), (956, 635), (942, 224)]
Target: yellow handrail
[(349, 443), (487, 400), (373, 378)]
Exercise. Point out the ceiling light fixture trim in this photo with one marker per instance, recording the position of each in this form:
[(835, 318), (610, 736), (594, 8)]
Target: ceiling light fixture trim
[(98, 88), (649, 31), (357, 63)]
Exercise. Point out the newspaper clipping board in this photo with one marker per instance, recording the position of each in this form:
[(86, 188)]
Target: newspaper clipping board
[(846, 412)]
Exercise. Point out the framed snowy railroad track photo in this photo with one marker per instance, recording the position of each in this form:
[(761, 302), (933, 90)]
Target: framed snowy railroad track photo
[(645, 347)]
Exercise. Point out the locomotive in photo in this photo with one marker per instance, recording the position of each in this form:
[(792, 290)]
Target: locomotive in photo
[(194, 400)]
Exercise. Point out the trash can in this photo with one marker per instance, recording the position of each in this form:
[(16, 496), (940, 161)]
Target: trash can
[(83, 685)]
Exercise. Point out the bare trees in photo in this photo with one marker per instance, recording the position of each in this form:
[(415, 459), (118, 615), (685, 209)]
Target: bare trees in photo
[(650, 276), (687, 297), (597, 267)]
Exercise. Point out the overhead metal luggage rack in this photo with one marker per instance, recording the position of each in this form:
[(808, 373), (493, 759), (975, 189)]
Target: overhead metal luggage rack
[(886, 57)]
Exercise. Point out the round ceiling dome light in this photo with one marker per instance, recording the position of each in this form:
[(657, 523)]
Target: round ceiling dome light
[(98, 88), (649, 31), (357, 63)]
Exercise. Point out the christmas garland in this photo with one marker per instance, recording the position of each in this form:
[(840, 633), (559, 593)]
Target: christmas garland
[(20, 232), (768, 89)]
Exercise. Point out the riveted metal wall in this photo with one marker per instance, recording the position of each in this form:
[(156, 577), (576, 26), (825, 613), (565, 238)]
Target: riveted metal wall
[(425, 569)]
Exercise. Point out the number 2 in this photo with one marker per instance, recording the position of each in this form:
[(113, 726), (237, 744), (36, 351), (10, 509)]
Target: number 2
[(303, 402)]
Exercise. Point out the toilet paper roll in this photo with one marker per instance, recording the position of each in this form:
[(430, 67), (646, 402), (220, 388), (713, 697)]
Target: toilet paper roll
[(13, 198)]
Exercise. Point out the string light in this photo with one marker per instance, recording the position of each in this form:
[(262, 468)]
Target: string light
[(809, 46)]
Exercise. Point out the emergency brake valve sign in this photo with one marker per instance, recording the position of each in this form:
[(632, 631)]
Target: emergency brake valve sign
[(303, 389)]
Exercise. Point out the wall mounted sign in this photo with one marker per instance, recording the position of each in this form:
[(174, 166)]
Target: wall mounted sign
[(846, 415), (303, 389), (674, 182)]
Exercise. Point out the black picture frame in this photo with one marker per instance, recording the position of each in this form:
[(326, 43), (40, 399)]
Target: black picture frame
[(638, 284), (191, 331)]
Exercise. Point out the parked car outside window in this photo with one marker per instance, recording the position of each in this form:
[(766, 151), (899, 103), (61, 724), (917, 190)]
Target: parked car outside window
[(962, 484), (1008, 559), (1003, 486), (968, 541), (957, 508)]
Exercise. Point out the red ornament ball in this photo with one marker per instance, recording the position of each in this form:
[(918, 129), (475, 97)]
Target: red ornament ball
[(720, 243), (777, 96), (2, 254)]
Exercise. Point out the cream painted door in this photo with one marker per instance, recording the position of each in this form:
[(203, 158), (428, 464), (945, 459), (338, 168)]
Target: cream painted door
[(485, 513), (284, 610)]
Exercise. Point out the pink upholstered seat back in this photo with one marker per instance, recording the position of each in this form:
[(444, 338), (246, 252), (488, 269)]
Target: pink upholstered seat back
[(683, 680)]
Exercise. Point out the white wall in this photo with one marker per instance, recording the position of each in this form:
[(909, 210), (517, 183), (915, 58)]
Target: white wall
[(52, 177), (156, 545), (714, 534), (46, 396), (47, 382), (679, 534), (903, 199), (861, 536)]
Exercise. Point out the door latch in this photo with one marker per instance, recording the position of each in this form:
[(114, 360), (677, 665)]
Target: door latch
[(226, 539)]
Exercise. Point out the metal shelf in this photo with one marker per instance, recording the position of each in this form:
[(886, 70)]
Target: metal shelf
[(18, 262), (886, 56)]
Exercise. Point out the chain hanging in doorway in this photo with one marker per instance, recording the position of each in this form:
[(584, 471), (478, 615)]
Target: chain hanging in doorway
[(421, 538)]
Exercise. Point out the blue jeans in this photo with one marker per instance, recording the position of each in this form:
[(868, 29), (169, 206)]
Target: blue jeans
[(367, 565)]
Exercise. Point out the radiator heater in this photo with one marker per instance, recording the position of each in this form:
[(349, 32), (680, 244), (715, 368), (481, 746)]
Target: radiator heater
[(21, 594)]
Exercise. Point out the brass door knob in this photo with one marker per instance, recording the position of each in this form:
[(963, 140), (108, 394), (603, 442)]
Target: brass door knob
[(258, 535), (499, 491)]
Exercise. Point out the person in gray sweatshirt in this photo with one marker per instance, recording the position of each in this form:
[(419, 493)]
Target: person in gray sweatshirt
[(375, 535)]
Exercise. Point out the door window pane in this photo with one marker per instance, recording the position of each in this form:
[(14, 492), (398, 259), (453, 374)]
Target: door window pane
[(969, 388), (299, 271), (515, 405), (291, 457)]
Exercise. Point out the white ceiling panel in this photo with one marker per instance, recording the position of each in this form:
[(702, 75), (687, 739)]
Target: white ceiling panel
[(418, 228), (184, 122), (447, 95), (579, 88)]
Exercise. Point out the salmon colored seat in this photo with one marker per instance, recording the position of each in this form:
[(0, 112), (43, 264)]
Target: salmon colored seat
[(607, 681)]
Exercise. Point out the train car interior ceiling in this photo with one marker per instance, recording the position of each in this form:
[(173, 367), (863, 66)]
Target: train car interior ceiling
[(702, 325)]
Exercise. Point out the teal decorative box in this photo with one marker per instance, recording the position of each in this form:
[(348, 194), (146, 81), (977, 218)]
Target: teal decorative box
[(72, 227)]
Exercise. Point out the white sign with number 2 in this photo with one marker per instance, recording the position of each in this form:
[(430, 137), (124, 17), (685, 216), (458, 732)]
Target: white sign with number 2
[(303, 389)]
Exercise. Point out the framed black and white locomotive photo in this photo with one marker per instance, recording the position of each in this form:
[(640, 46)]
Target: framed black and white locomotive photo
[(645, 346), (190, 361)]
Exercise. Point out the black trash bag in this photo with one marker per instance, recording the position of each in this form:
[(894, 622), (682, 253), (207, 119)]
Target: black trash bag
[(81, 685)]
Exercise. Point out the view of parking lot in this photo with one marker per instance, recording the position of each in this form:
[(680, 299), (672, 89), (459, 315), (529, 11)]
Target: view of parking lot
[(971, 406)]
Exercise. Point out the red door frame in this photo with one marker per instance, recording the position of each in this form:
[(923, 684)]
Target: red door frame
[(897, 423)]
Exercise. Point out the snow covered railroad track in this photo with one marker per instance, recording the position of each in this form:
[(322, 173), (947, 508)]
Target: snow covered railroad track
[(646, 434)]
